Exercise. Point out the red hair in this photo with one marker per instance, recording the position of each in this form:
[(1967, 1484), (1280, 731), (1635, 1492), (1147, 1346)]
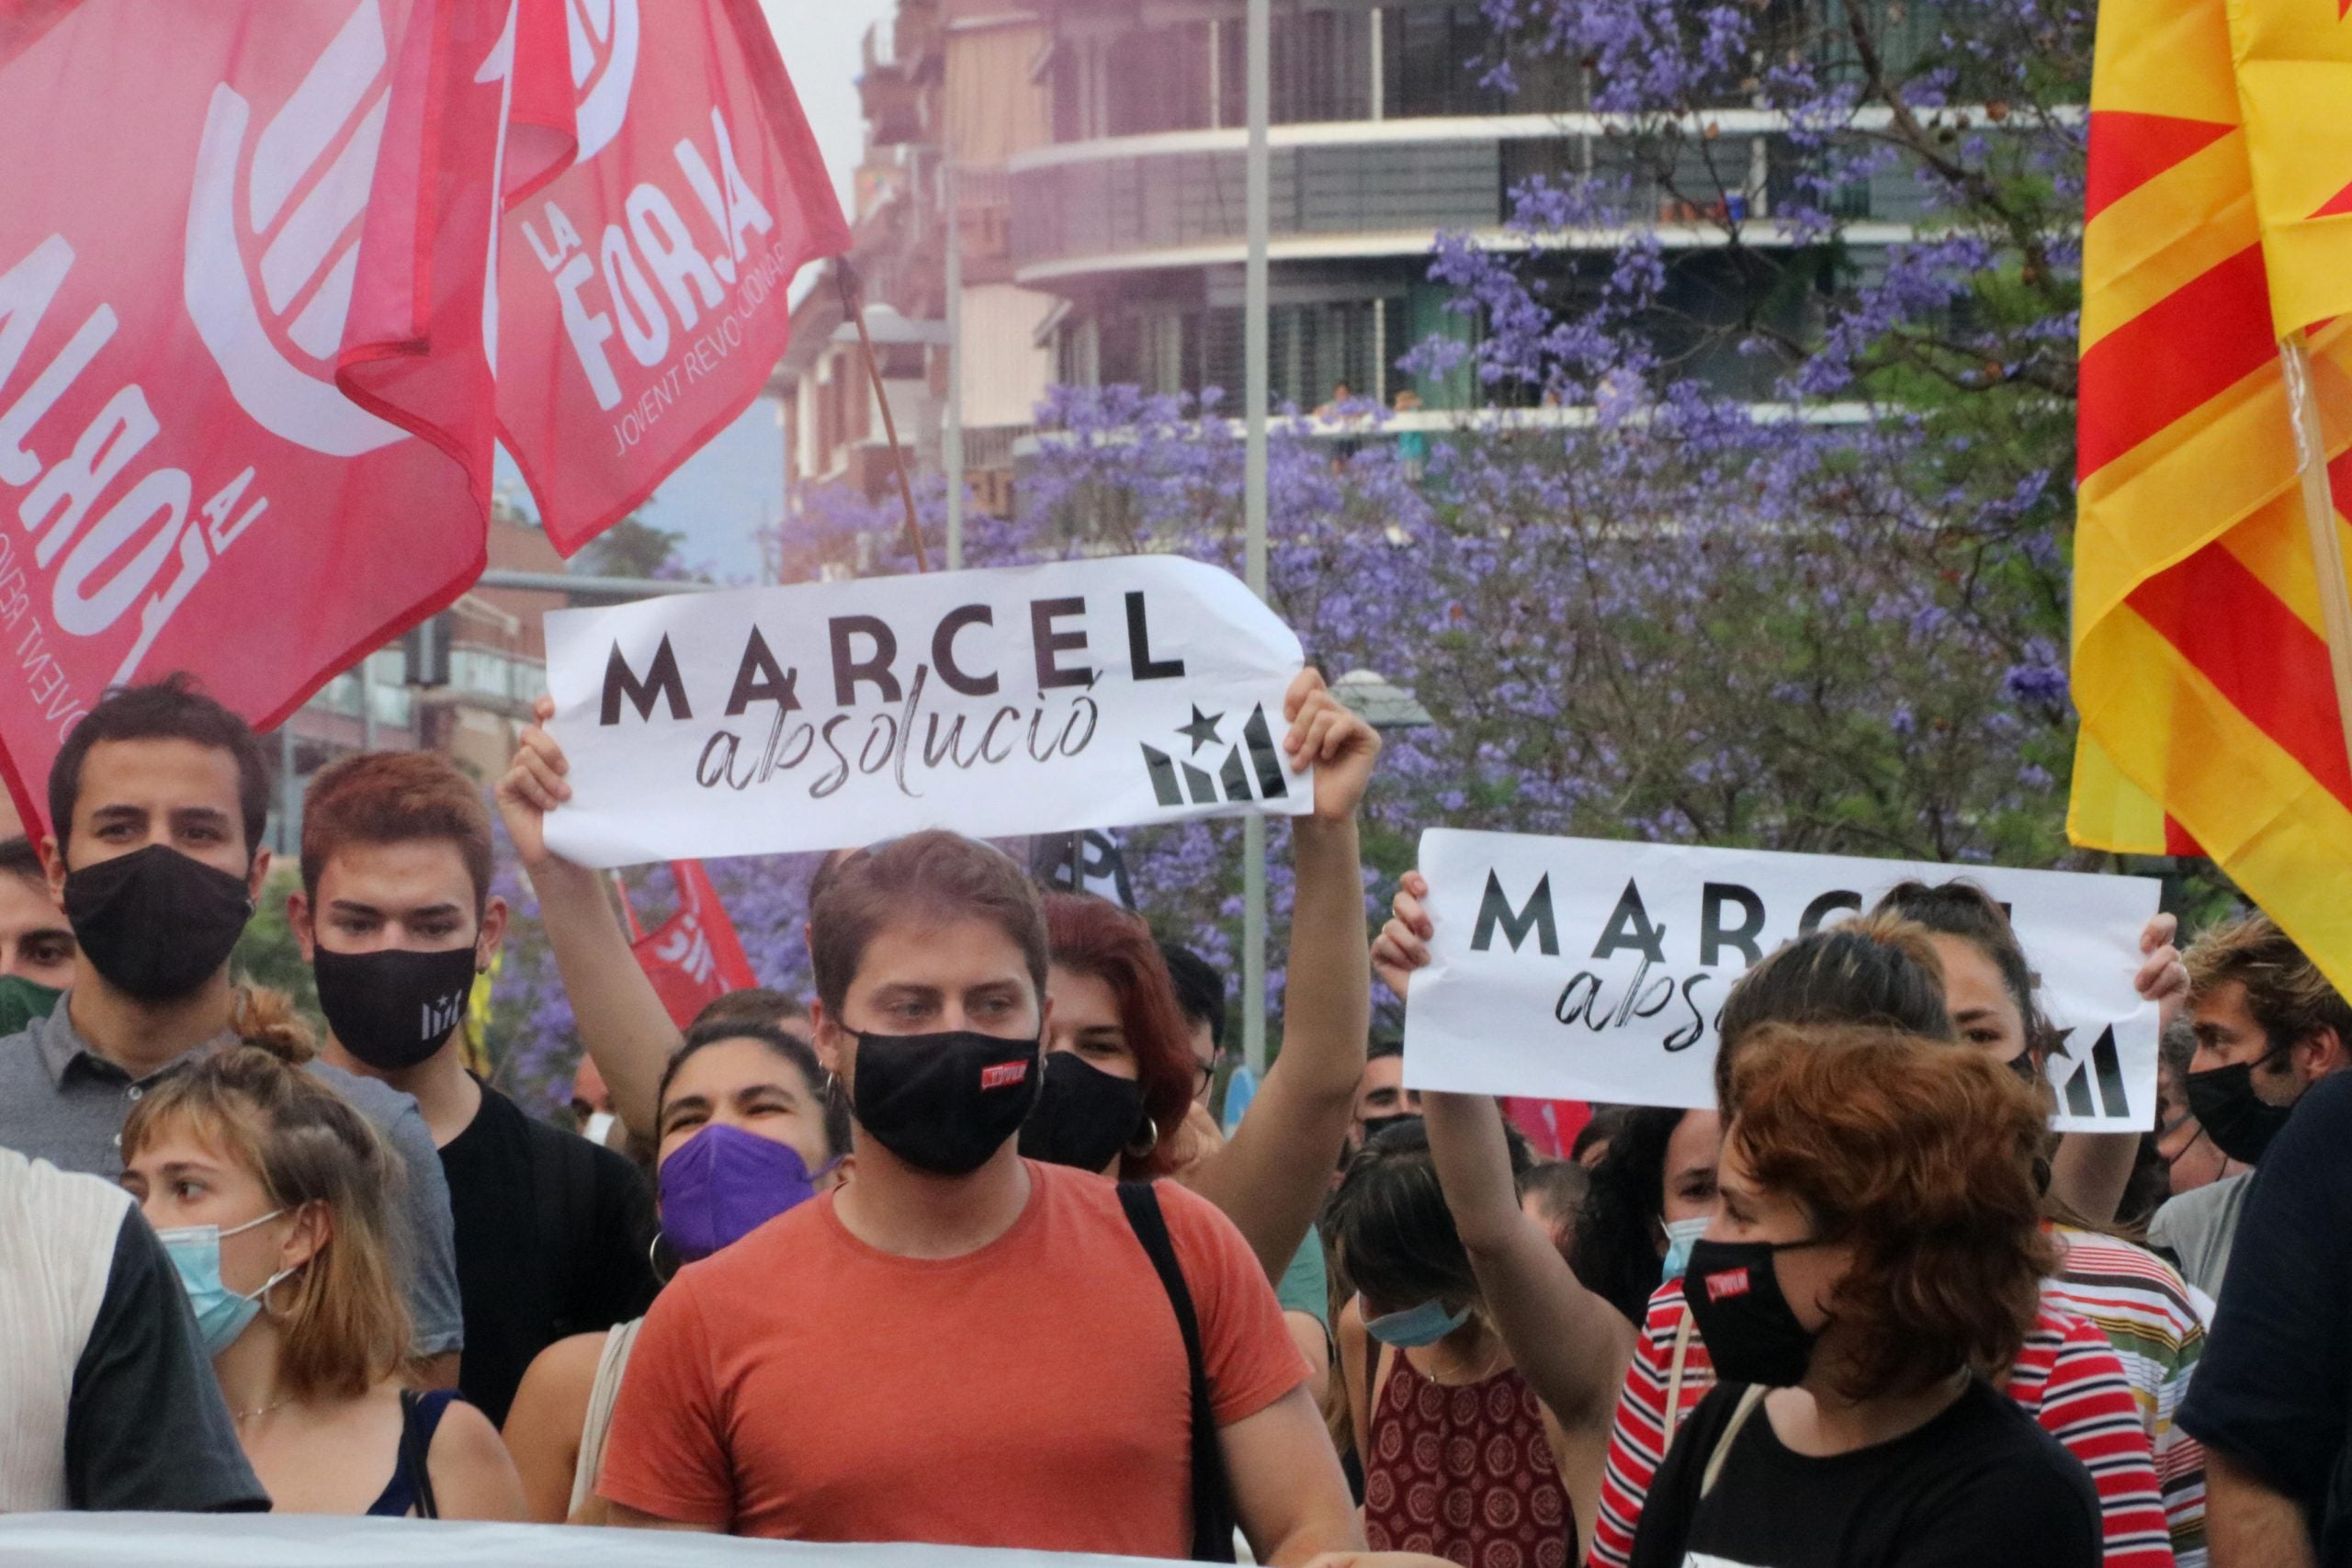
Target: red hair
[(1093, 936), (1922, 1160)]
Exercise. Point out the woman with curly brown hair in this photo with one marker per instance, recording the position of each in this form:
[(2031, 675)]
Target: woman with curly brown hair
[(1876, 1263)]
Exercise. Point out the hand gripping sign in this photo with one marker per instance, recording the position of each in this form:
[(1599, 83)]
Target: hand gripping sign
[(1579, 969), (1043, 699)]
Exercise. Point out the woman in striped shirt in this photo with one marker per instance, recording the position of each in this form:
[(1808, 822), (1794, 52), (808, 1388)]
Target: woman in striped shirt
[(1882, 971)]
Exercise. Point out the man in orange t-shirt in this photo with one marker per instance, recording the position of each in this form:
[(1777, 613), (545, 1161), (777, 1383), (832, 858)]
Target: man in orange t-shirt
[(961, 1346)]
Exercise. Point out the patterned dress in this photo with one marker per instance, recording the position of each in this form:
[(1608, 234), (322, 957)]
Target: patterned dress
[(1465, 1473)]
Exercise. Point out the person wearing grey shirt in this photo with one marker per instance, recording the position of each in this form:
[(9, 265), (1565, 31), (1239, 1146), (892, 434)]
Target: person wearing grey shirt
[(158, 799)]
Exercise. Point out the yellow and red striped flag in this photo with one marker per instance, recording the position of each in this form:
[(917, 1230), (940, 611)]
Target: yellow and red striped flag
[(2218, 221)]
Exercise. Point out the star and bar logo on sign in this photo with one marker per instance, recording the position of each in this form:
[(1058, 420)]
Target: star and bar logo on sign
[(1253, 757)]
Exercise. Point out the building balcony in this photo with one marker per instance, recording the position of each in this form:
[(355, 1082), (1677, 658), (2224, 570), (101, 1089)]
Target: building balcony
[(1351, 189)]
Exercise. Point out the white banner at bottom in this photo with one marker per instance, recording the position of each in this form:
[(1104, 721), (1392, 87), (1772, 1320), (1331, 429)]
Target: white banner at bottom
[(304, 1541)]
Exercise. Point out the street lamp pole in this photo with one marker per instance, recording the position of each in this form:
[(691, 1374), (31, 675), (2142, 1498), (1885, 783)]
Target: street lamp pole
[(952, 452), (1254, 407)]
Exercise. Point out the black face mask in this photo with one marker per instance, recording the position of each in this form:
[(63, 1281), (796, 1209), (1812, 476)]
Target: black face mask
[(1084, 1115), (156, 923), (1749, 1329), (393, 1009), (2240, 1122), (943, 1102)]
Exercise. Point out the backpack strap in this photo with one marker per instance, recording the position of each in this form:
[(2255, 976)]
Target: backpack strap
[(1682, 1332), (1212, 1499), (420, 1418), (1750, 1399)]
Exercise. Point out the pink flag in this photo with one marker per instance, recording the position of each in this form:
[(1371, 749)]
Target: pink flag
[(694, 957), (643, 292), (253, 347)]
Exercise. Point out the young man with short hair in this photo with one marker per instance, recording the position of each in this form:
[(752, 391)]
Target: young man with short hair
[(977, 1349), (1382, 1098), (157, 802), (2268, 1026), (397, 919)]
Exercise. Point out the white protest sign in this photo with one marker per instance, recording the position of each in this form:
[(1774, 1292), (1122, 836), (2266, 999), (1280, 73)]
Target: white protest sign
[(1087, 693), (1583, 969)]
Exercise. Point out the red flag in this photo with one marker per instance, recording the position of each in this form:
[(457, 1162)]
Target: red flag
[(643, 292), (250, 326), (211, 223), (1551, 1125), (694, 957)]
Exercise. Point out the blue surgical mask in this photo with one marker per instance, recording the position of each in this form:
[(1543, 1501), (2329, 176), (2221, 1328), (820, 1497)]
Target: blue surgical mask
[(222, 1314), (1424, 1325), (1679, 1234)]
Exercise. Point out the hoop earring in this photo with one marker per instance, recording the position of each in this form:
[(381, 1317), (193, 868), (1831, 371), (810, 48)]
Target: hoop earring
[(654, 1261), (1150, 1137)]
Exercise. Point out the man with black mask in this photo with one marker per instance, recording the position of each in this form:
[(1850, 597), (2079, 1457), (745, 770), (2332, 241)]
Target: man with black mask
[(2268, 1027), (397, 919), (157, 802)]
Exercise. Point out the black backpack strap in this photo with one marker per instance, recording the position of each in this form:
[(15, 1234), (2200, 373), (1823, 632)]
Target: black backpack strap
[(1212, 1499)]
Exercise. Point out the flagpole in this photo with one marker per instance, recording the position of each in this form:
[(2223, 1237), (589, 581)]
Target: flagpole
[(2319, 516), (853, 306)]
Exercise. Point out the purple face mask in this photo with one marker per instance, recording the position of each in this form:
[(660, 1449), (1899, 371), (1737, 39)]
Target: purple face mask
[(724, 1183)]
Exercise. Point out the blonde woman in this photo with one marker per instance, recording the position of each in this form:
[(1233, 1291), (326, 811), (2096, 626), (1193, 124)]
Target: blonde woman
[(273, 1198)]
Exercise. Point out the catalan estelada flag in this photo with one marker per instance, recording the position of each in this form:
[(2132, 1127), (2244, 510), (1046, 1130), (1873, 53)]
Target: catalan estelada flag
[(2218, 221)]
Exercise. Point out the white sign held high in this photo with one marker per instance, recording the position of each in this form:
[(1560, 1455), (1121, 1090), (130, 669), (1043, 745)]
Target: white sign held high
[(1087, 693), (1580, 969)]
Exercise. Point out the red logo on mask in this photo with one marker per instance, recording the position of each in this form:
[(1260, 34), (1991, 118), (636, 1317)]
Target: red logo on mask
[(1730, 1282), (1004, 1074)]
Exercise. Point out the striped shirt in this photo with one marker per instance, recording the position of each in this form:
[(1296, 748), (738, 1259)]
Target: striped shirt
[(2066, 1377), (2143, 1307)]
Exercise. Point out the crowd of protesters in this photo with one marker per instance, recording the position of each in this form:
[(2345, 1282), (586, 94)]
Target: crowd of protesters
[(953, 1251)]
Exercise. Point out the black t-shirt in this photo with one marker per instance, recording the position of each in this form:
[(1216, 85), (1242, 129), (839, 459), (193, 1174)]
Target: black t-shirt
[(145, 1426), (552, 1234), (2274, 1388), (1978, 1486)]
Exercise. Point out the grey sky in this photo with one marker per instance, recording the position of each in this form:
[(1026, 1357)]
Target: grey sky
[(735, 484)]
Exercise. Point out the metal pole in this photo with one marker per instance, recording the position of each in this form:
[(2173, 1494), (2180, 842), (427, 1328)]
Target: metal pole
[(1253, 409), (289, 796), (368, 704), (952, 451)]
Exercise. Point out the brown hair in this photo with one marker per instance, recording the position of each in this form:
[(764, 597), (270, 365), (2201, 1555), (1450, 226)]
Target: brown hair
[(174, 708), (753, 1004), (344, 1320), (1963, 909), (391, 797), (1879, 969), (1920, 1160), (927, 878), (2284, 990), (1093, 936)]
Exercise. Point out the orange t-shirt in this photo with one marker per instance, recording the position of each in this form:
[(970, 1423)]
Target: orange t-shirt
[(1035, 1393)]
